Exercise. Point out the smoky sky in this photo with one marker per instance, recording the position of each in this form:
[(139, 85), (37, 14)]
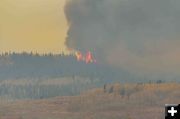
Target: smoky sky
[(133, 34)]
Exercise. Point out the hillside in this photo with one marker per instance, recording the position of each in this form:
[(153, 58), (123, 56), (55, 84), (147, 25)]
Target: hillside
[(36, 66), (117, 101)]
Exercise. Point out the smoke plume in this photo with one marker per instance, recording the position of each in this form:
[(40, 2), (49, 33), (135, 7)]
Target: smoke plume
[(140, 35)]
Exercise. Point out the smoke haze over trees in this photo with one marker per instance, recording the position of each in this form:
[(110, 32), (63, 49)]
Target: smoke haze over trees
[(27, 65), (141, 36), (35, 66)]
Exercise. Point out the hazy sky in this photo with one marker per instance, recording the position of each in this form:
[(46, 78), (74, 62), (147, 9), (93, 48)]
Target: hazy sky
[(32, 25)]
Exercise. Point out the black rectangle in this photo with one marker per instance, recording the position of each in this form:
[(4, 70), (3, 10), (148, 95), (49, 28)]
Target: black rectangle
[(172, 111)]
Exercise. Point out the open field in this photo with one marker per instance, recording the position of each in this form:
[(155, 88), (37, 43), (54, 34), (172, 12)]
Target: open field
[(117, 101)]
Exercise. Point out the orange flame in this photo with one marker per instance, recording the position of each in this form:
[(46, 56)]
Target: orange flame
[(79, 56), (88, 58)]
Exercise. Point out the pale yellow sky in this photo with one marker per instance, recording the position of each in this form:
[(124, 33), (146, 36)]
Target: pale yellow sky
[(32, 25)]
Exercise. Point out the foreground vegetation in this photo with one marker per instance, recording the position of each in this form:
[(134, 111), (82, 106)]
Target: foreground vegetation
[(115, 101), (16, 89)]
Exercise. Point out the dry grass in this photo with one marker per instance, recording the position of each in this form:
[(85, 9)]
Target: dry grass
[(142, 101)]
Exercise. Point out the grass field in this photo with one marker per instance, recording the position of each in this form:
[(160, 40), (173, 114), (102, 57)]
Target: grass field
[(117, 101)]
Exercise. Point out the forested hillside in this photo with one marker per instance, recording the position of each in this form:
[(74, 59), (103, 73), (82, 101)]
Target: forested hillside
[(34, 76), (33, 66)]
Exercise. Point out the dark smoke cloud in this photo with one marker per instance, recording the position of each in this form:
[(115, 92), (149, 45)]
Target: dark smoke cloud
[(134, 34)]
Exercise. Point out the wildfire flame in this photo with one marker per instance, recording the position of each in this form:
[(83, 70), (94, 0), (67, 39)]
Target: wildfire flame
[(79, 56), (88, 57)]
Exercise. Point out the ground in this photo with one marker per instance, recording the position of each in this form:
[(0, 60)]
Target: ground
[(125, 101)]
